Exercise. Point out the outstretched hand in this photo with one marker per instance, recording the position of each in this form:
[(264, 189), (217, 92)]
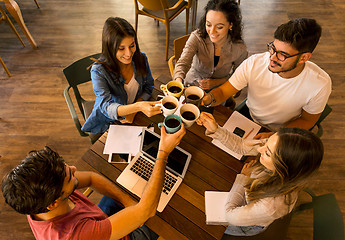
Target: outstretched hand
[(263, 135), (169, 141), (207, 120), (150, 108)]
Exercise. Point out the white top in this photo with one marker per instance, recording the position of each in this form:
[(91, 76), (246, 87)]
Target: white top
[(273, 100), (131, 89)]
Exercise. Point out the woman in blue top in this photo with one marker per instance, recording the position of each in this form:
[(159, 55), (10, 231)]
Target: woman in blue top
[(121, 79)]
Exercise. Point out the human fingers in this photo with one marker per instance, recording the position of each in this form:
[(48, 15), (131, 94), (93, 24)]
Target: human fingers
[(263, 135), (207, 115)]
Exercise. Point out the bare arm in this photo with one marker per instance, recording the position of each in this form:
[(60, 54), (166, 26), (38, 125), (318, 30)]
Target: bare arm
[(209, 83), (148, 108), (103, 186), (132, 217), (306, 120), (220, 94)]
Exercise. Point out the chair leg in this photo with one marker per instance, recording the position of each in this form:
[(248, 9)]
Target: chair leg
[(136, 23), (187, 20), (8, 20), (14, 10), (167, 40), (38, 6), (4, 66)]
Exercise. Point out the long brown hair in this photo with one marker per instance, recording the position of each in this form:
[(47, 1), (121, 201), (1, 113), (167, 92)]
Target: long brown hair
[(298, 154), (114, 31)]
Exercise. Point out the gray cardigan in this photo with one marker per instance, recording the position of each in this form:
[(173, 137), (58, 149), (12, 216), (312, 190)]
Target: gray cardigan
[(201, 52)]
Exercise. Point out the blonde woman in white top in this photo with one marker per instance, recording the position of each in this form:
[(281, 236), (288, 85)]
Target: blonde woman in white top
[(267, 188)]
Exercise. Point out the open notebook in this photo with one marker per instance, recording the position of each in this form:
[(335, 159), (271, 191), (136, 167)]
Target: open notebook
[(215, 207), (240, 125)]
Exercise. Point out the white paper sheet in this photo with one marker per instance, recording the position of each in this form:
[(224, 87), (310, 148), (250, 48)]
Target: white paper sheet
[(123, 139), (238, 120), (215, 207)]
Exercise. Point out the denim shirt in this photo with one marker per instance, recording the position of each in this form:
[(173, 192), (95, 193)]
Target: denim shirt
[(110, 95)]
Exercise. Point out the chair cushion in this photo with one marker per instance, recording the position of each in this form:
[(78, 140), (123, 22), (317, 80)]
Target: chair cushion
[(160, 14)]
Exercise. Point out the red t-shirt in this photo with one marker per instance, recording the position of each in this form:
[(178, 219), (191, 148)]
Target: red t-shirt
[(85, 221)]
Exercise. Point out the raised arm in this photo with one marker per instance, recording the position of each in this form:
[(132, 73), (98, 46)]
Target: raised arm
[(219, 94), (134, 216)]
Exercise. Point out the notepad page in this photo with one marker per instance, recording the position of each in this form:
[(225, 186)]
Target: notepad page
[(215, 207), (238, 120)]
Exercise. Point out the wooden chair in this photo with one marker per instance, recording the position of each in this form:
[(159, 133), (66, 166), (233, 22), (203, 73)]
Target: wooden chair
[(4, 66), (76, 74), (4, 17), (163, 11), (179, 44), (13, 8), (38, 6)]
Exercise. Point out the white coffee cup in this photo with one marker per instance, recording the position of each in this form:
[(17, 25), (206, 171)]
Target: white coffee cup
[(194, 95), (169, 105), (189, 114)]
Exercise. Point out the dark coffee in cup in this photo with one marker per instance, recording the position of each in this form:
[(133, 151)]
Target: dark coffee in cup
[(169, 105), (172, 123), (174, 89), (188, 115), (193, 97)]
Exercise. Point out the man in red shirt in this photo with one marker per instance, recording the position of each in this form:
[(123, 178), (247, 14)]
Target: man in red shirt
[(44, 187)]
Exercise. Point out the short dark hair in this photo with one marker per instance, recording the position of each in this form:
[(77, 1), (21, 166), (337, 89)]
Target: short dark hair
[(115, 29), (232, 12), (35, 183), (302, 33)]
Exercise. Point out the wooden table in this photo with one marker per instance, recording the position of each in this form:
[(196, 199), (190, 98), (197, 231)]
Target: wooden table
[(210, 169)]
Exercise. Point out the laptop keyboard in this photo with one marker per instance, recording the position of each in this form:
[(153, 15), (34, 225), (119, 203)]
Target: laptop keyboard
[(143, 168)]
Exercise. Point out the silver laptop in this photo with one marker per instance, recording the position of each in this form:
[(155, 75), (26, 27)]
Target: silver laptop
[(135, 176)]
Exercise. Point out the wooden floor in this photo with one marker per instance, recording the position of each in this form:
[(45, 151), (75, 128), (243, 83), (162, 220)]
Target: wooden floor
[(33, 112)]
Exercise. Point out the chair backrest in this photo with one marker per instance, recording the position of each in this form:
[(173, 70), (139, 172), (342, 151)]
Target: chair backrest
[(326, 111), (154, 5), (77, 73), (179, 44), (328, 219)]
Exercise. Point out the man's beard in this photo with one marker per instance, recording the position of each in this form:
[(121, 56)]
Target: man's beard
[(294, 65)]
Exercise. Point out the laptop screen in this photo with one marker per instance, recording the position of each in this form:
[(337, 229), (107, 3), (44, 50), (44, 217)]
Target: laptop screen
[(177, 158)]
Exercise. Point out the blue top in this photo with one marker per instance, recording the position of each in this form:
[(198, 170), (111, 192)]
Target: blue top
[(110, 95)]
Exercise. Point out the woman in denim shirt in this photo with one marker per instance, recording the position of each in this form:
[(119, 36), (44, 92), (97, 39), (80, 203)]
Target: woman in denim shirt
[(121, 79)]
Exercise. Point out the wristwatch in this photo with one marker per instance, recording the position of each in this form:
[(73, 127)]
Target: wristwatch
[(213, 100)]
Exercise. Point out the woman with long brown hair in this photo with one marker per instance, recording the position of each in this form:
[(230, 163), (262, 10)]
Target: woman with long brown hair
[(121, 78), (267, 188)]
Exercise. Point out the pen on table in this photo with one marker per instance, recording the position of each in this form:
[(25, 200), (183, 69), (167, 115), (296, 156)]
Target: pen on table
[(248, 133)]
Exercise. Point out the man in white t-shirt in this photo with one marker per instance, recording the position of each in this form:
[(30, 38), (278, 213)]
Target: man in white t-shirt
[(284, 88)]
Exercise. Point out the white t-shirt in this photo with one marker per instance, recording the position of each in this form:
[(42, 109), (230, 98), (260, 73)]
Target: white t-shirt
[(131, 89), (273, 100)]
